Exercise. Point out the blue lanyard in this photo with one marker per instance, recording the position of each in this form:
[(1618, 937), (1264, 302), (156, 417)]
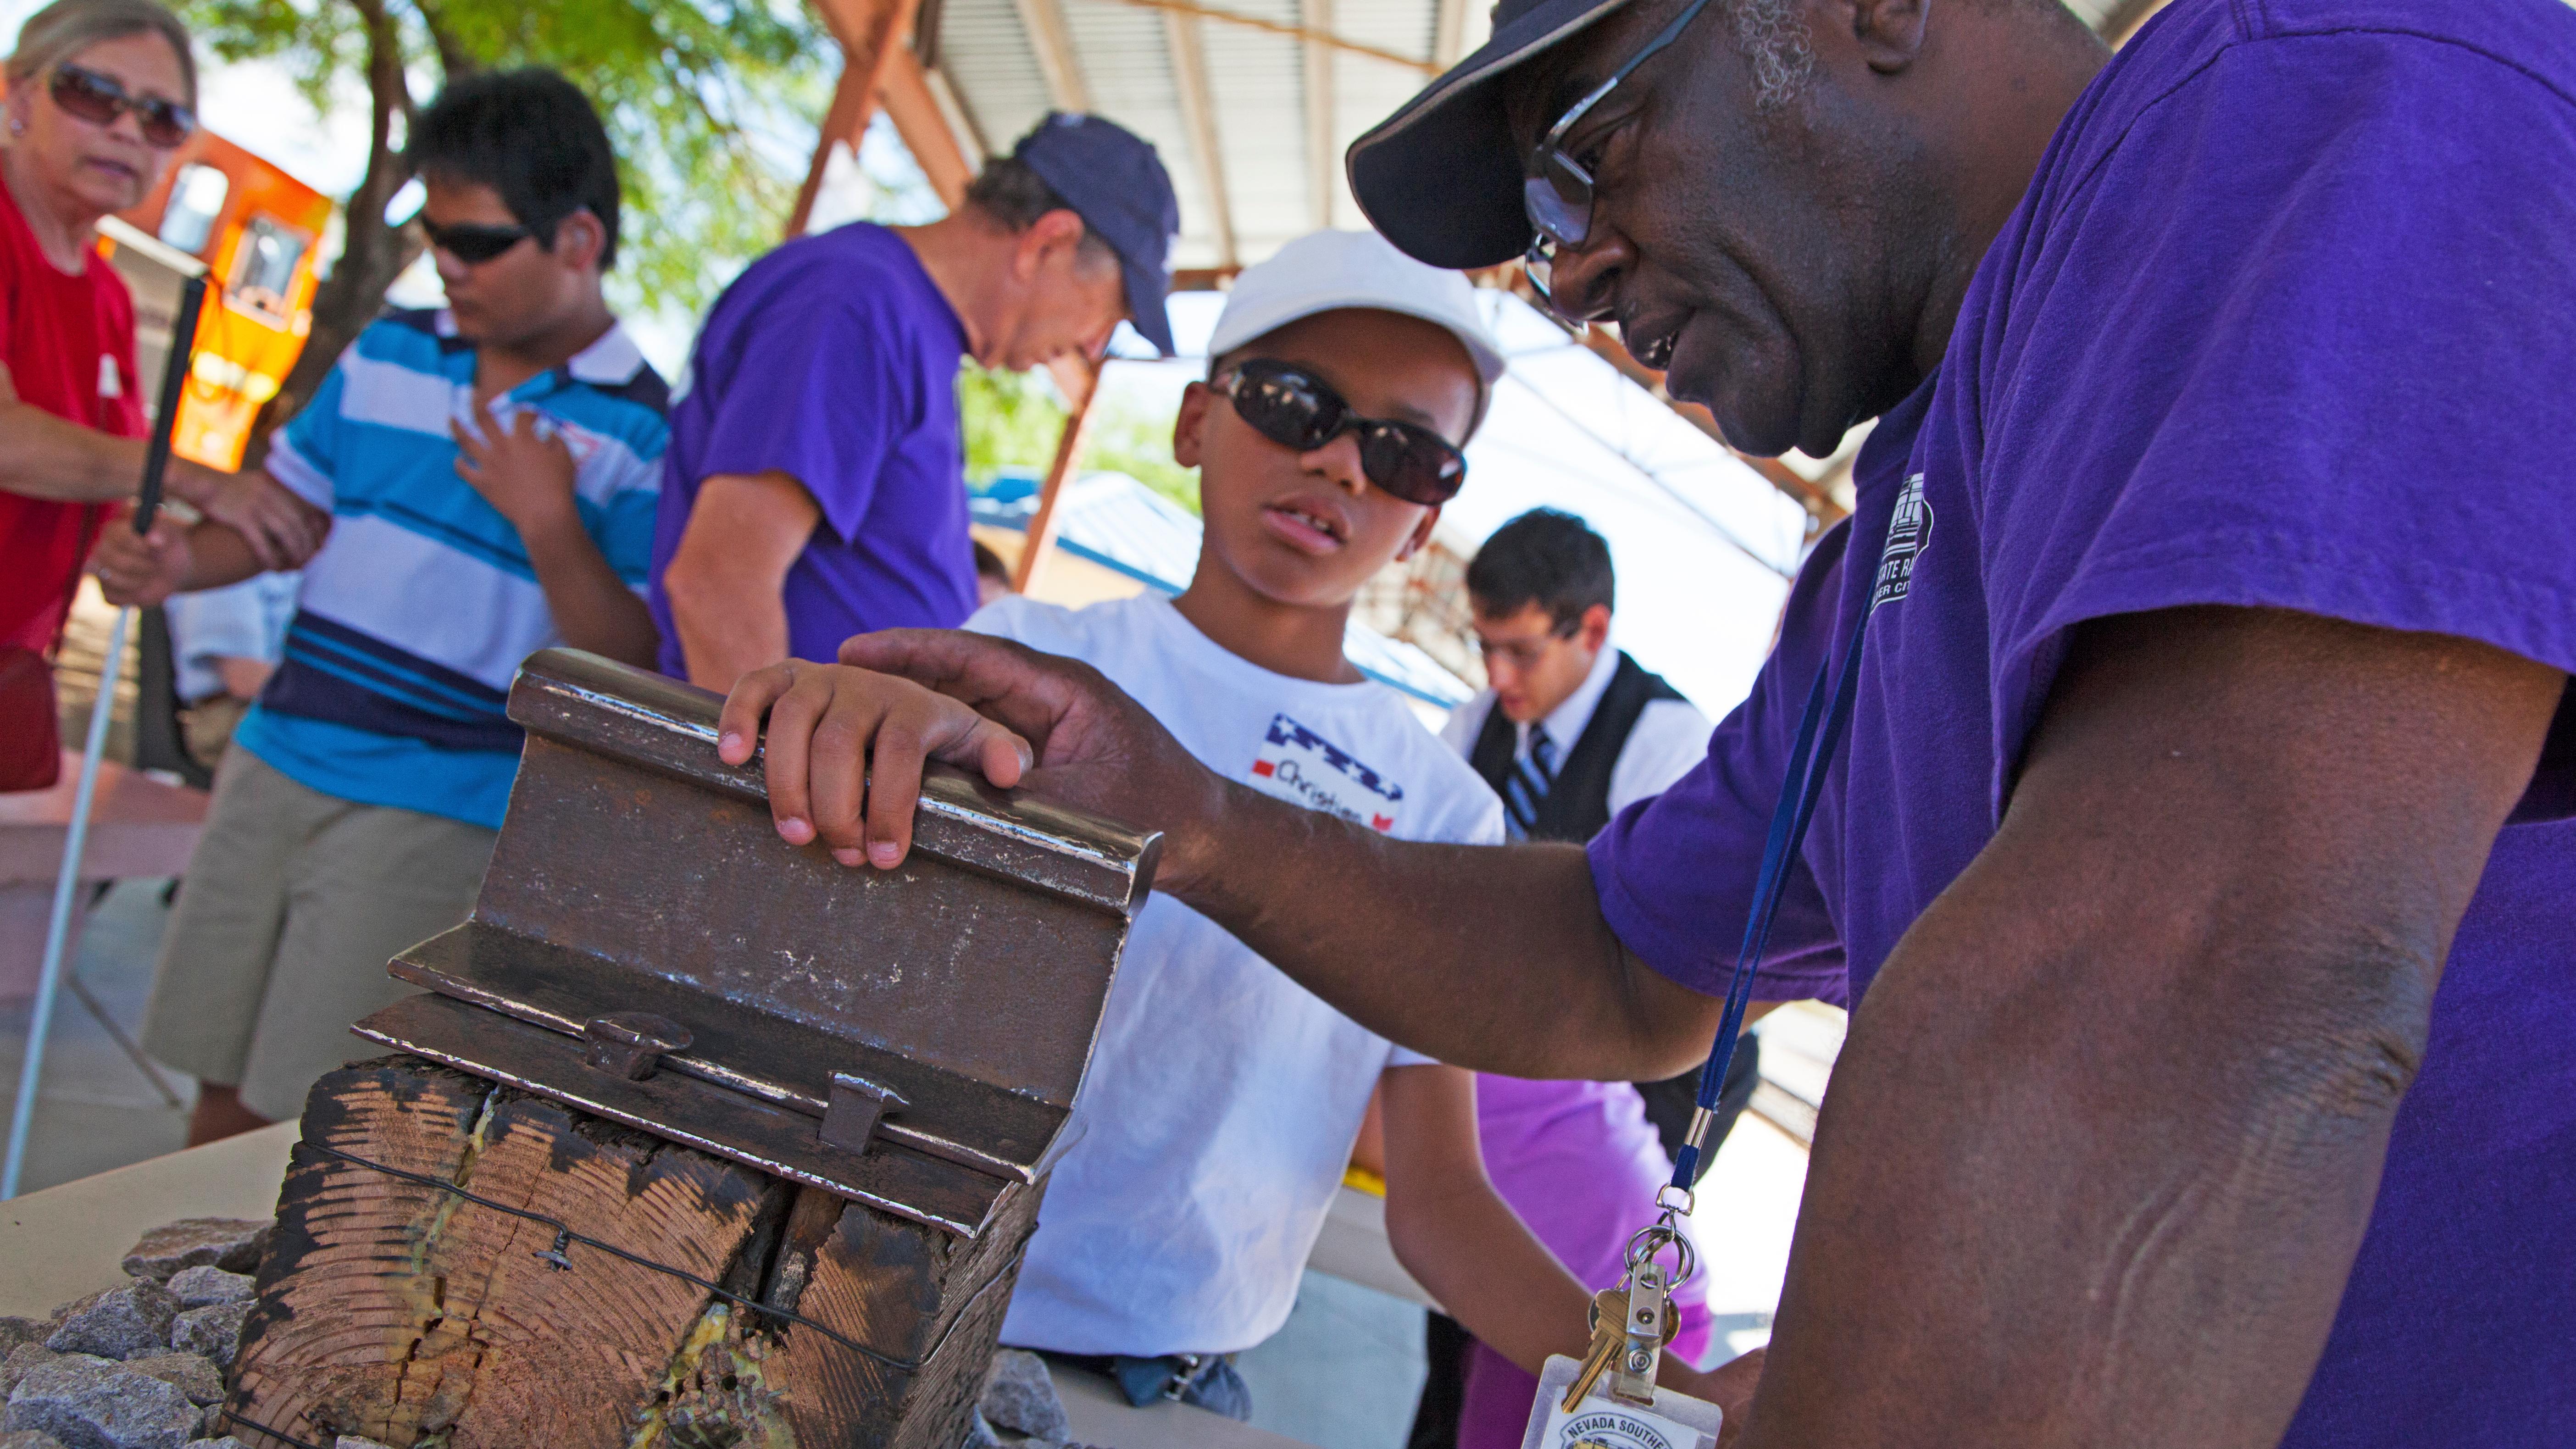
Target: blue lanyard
[(1820, 729)]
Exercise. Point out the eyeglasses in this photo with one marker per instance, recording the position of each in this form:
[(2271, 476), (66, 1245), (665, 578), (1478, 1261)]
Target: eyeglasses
[(472, 242), (1524, 654), (1296, 409), (100, 99), (1558, 194)]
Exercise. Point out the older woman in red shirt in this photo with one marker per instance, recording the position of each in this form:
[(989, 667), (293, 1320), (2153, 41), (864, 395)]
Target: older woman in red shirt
[(101, 92)]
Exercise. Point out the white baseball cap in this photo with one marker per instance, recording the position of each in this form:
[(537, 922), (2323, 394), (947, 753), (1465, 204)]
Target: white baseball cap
[(1327, 271)]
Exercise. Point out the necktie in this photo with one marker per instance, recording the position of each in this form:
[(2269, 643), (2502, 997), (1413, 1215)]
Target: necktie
[(1527, 788)]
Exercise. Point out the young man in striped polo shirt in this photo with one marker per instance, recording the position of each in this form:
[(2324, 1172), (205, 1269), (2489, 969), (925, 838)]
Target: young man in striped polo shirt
[(491, 470)]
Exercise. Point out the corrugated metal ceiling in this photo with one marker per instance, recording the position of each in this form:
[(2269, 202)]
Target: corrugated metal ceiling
[(1274, 169), (1275, 163)]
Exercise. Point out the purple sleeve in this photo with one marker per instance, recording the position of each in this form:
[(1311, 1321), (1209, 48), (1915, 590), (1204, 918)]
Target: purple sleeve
[(2302, 340), (816, 394), (1675, 873)]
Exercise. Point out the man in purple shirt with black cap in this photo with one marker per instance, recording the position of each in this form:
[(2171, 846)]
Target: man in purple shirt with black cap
[(814, 487), (2198, 851)]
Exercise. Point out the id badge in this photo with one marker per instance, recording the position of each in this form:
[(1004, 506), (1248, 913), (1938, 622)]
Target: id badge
[(1675, 1421)]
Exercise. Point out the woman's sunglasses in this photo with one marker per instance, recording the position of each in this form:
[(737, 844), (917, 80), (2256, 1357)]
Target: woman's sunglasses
[(472, 242), (100, 99), (1558, 195), (1296, 409)]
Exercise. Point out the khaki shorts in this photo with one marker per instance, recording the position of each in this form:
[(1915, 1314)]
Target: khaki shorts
[(293, 903), (206, 727)]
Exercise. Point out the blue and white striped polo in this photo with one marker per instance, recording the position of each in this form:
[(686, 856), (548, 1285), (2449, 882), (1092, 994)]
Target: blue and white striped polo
[(419, 608)]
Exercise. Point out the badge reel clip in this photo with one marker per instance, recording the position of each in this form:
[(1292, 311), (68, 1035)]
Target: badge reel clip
[(1609, 1399)]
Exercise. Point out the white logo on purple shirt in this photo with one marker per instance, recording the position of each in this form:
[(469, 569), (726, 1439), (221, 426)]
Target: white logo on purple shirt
[(1909, 532)]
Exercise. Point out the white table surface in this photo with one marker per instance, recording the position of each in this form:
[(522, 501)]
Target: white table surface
[(66, 1241)]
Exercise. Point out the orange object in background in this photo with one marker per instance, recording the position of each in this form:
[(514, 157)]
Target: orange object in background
[(256, 233)]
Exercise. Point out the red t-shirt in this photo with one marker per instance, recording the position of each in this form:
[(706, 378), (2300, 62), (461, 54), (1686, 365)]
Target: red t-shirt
[(69, 345)]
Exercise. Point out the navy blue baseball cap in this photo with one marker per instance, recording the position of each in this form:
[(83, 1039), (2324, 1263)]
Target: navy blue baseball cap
[(1441, 178), (1113, 180)]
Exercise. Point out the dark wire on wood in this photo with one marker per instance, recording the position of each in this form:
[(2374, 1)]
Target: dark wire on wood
[(554, 1257)]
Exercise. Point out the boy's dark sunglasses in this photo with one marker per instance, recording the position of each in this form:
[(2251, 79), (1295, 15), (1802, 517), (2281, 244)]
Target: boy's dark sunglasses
[(1558, 196), (1296, 409), (100, 99), (472, 242)]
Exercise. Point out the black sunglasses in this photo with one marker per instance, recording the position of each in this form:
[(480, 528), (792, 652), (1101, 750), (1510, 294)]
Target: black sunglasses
[(1296, 409), (472, 242), (1558, 194), (100, 99)]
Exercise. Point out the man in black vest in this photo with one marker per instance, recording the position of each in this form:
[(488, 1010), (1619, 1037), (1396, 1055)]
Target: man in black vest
[(1569, 732)]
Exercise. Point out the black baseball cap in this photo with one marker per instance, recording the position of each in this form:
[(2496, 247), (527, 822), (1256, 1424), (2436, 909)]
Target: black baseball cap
[(1113, 180), (1441, 178)]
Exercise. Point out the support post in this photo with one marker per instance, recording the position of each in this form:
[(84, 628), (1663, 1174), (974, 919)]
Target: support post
[(1448, 33), (870, 33), (1051, 40), (1323, 158), (1198, 112), (918, 117), (1081, 383)]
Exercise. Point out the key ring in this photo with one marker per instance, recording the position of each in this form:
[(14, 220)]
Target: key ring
[(1651, 1239)]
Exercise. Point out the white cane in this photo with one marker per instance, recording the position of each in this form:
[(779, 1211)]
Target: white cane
[(156, 461)]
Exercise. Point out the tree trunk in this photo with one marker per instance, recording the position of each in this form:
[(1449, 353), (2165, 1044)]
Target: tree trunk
[(455, 62), (372, 252)]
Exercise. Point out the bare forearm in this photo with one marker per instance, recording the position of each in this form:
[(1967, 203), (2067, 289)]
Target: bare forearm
[(1492, 958), (728, 627), (43, 456), (217, 556), (1507, 964), (726, 579), (1474, 1255), (592, 606), (1456, 1235), (2103, 1144), (2157, 1266)]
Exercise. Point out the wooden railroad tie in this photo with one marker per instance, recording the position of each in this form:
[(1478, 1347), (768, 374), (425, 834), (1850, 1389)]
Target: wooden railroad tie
[(696, 1139)]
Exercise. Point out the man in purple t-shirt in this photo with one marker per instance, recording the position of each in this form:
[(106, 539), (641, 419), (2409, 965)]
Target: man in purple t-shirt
[(2200, 852), (814, 486)]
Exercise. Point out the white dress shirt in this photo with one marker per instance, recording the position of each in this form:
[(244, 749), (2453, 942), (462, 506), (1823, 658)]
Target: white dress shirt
[(1671, 734)]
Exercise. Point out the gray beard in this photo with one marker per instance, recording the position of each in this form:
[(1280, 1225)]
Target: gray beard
[(1773, 35)]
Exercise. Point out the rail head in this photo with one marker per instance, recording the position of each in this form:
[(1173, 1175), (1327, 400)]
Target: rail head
[(588, 702)]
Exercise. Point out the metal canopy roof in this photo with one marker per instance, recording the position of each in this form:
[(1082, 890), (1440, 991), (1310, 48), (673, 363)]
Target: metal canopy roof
[(1251, 102)]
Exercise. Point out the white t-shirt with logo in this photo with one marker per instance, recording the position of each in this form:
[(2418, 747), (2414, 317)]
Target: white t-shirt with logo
[(1222, 1100)]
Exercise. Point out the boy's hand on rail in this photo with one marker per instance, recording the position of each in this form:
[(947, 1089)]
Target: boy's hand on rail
[(845, 749), (1094, 746)]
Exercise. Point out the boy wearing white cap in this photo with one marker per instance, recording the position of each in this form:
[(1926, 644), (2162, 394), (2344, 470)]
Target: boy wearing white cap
[(1223, 1098)]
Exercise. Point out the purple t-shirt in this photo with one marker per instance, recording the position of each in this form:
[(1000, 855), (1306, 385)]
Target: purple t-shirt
[(2284, 320), (833, 359)]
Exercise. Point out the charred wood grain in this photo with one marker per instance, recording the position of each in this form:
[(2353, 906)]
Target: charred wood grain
[(411, 1316), (903, 1290)]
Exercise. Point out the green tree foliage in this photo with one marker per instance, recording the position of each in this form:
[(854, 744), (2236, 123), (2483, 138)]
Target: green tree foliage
[(1137, 442), (695, 93), (688, 89), (1012, 420)]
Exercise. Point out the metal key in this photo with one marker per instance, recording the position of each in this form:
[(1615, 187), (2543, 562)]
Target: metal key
[(1609, 1341)]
